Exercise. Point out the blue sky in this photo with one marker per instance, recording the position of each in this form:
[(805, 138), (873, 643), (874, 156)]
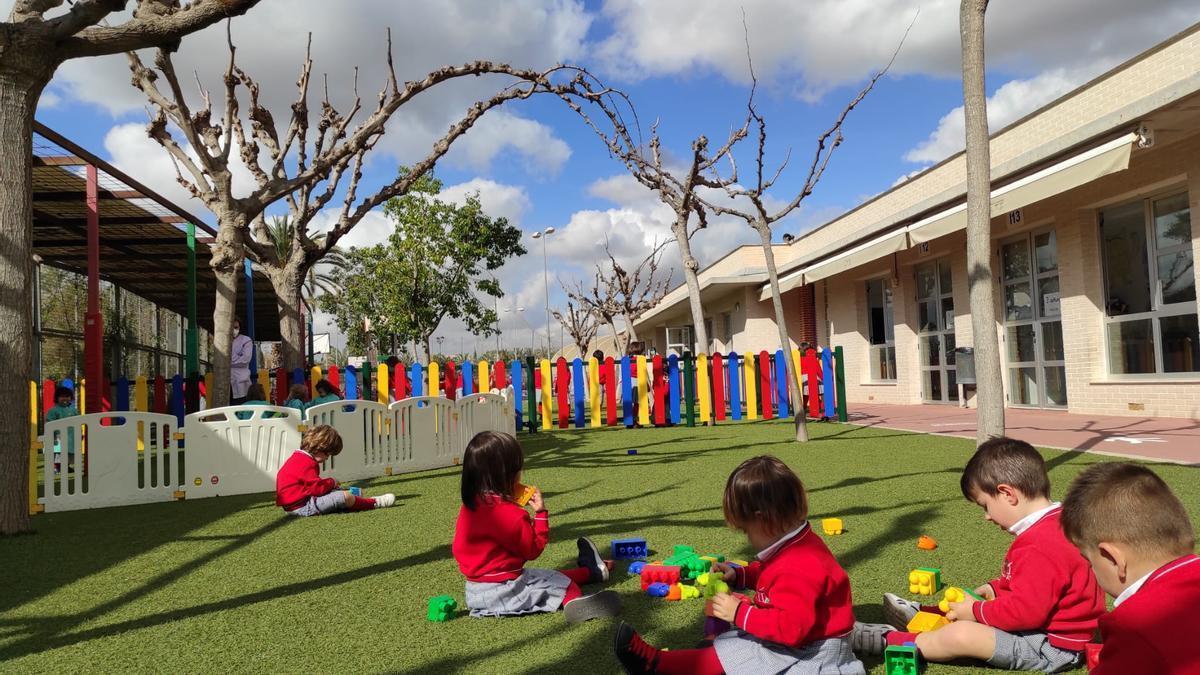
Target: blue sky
[(683, 63)]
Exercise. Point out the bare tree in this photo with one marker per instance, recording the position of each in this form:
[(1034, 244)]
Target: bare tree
[(580, 323), (638, 290), (600, 299), (304, 165), (32, 46), (758, 216), (989, 387)]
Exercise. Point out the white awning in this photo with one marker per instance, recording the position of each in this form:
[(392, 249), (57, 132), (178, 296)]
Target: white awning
[(1066, 175), (862, 254)]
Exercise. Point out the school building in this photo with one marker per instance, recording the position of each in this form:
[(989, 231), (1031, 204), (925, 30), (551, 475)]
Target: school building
[(1092, 262)]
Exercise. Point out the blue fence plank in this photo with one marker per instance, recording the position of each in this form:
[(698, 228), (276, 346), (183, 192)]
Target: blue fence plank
[(781, 382), (122, 393), (626, 391), (735, 378), (673, 383), (827, 383), (351, 383), (580, 387), (515, 371), (416, 379), (468, 378), (177, 406)]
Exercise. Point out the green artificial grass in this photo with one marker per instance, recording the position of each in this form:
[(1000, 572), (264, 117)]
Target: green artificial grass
[(230, 584)]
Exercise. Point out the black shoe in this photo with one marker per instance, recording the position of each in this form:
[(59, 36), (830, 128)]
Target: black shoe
[(600, 605), (635, 655), (589, 559)]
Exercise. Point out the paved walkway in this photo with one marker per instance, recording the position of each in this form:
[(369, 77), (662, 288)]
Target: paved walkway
[(1166, 439)]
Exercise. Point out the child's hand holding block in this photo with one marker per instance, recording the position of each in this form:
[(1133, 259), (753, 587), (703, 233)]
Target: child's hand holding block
[(523, 493)]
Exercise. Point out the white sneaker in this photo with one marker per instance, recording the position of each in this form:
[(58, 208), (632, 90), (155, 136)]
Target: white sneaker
[(385, 500), (898, 611), (869, 639)]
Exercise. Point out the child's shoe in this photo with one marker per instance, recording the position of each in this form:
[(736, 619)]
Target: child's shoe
[(589, 559), (898, 611), (595, 606), (633, 653), (385, 500), (869, 639)]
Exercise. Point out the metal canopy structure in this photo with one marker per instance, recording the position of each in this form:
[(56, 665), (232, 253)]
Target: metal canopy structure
[(143, 237)]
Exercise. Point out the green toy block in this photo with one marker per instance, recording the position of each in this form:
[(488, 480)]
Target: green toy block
[(441, 608), (711, 583), (690, 565), (901, 660)]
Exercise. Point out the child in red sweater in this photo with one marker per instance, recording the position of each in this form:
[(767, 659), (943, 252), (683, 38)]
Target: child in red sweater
[(494, 538), (1138, 539), (1041, 612), (301, 491), (801, 612)]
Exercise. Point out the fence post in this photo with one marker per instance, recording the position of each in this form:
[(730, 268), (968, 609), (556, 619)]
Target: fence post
[(562, 383), (514, 378), (842, 415), (626, 391), (34, 507), (484, 376), (673, 385), (594, 389), (781, 383), (531, 396), (610, 392), (416, 380), (580, 386), (828, 377), (718, 387), (643, 389), (689, 388), (547, 395), (764, 384), (735, 387), (351, 383), (434, 377), (468, 378), (751, 388), (381, 382), (702, 388), (659, 389)]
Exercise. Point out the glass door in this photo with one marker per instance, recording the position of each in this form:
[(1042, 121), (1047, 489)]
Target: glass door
[(1032, 321), (935, 332)]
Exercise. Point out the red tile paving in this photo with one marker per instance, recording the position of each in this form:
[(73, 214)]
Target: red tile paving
[(1165, 439)]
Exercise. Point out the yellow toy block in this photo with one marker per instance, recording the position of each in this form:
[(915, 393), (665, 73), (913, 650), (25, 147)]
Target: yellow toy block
[(924, 622), (924, 581), (831, 525), (739, 563), (956, 594)]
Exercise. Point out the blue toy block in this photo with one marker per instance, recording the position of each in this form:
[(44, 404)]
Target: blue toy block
[(636, 566), (626, 549), (658, 590), (356, 491), (632, 451)]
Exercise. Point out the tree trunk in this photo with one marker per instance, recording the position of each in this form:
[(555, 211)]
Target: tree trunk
[(288, 285), (690, 266), (21, 83), (616, 337), (425, 344), (227, 266), (630, 332), (989, 387), (764, 232)]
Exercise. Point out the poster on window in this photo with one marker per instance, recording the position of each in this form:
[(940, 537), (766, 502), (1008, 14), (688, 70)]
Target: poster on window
[(1050, 304)]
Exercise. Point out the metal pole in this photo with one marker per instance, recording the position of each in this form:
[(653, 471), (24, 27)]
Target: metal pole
[(193, 330), (546, 282), (250, 319), (93, 337), (37, 322)]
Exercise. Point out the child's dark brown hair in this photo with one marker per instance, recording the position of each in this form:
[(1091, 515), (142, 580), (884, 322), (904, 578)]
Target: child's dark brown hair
[(764, 490), (322, 438), (1128, 504), (298, 391), (1005, 461), (256, 393), (491, 464), (325, 388)]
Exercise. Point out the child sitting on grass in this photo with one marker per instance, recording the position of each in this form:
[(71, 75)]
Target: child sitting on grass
[(1041, 612), (1139, 541), (326, 393), (64, 407), (494, 538), (801, 613), (297, 396), (301, 491)]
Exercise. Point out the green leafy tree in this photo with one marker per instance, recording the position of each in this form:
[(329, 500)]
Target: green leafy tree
[(431, 267)]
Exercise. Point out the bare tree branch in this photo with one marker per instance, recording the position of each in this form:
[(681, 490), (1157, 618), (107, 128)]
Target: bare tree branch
[(153, 24)]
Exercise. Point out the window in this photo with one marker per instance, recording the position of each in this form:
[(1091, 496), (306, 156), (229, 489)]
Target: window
[(727, 321), (1150, 287), (881, 332), (679, 340)]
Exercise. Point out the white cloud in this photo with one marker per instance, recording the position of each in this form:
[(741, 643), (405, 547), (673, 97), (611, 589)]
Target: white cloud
[(825, 43), (498, 200), (501, 130), (1010, 102)]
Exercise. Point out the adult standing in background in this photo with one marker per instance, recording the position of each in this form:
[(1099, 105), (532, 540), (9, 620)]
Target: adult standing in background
[(241, 352)]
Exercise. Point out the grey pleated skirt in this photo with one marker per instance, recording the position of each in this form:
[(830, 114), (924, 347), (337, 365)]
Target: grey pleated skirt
[(741, 652), (536, 590)]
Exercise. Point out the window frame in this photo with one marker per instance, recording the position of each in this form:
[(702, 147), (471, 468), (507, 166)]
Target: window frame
[(889, 303), (1159, 310)]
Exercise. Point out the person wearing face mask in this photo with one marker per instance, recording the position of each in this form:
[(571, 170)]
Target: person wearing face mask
[(239, 365)]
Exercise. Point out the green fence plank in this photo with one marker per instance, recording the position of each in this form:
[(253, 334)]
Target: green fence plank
[(531, 400), (689, 387), (840, 371)]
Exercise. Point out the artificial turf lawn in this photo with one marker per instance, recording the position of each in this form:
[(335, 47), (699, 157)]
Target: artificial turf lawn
[(230, 584)]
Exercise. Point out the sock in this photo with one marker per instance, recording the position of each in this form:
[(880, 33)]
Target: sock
[(362, 504), (699, 661), (579, 575), (899, 637), (573, 593)]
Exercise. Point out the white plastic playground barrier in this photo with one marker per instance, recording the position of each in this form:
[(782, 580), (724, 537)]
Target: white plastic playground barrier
[(133, 458), (238, 449)]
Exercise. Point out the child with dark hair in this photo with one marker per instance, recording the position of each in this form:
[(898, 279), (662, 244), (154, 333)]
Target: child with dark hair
[(326, 393), (801, 613), (64, 407), (494, 538), (299, 488), (1041, 612), (1136, 535)]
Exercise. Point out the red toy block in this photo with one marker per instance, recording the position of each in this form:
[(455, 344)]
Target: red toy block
[(661, 574)]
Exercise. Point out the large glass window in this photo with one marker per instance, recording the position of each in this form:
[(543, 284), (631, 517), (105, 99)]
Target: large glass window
[(1150, 287), (935, 332), (881, 331), (679, 340)]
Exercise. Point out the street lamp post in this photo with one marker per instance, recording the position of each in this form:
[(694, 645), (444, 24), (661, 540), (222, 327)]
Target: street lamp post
[(515, 309), (544, 235)]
